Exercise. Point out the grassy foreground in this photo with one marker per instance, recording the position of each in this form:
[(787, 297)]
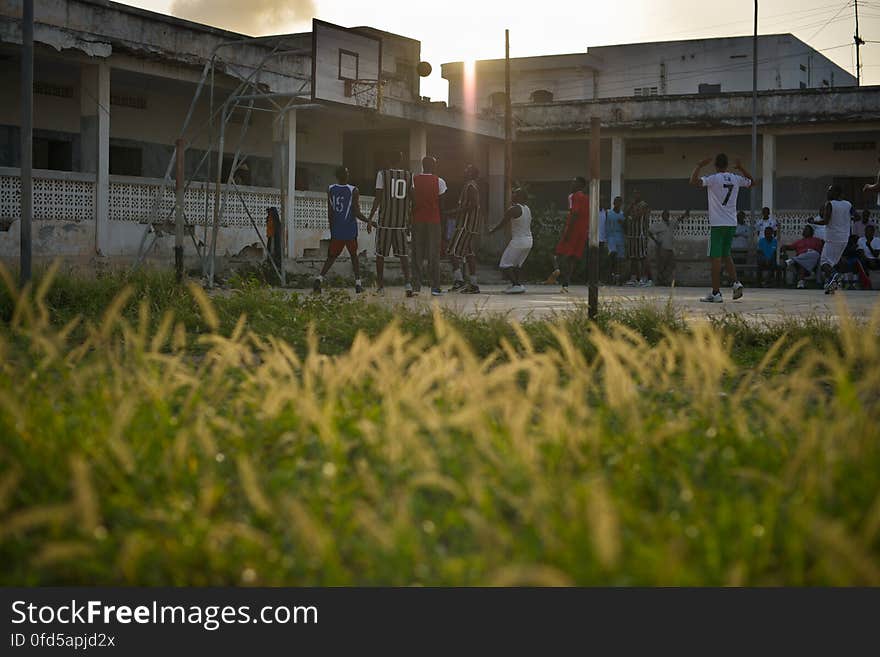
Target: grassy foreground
[(165, 438)]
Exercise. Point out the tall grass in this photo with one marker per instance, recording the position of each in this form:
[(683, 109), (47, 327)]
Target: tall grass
[(578, 454)]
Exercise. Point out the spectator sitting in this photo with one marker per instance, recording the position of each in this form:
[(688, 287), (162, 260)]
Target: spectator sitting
[(739, 247), (869, 248), (767, 247), (850, 264), (861, 222), (807, 251), (767, 221)]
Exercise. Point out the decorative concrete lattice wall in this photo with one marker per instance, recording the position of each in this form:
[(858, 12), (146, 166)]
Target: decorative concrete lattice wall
[(696, 227), (57, 196)]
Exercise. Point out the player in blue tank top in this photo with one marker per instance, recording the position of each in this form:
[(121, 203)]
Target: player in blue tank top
[(343, 212)]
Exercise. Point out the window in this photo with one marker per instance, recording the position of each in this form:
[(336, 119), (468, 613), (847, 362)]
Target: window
[(645, 91), (542, 96), (709, 89), (738, 56), (53, 154), (497, 100), (855, 145), (49, 89), (803, 85), (128, 100), (803, 68), (126, 161)]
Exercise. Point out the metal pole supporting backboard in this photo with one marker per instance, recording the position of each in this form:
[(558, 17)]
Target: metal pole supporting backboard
[(27, 134)]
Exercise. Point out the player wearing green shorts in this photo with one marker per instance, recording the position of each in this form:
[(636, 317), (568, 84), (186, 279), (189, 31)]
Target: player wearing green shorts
[(723, 189)]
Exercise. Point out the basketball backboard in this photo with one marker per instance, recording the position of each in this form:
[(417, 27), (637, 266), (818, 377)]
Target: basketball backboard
[(346, 66)]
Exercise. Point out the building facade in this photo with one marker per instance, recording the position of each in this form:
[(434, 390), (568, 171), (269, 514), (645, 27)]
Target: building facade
[(113, 87)]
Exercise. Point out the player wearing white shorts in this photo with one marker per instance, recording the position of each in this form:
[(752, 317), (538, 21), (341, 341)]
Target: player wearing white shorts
[(519, 216), (837, 219)]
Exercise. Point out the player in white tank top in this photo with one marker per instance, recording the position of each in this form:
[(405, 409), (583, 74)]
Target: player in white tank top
[(519, 216), (837, 217)]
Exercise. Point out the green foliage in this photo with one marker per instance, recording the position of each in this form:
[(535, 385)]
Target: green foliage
[(264, 438)]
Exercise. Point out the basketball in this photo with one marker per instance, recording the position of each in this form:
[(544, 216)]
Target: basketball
[(424, 69)]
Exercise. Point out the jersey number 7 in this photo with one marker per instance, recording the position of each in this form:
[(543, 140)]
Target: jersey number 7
[(729, 189)]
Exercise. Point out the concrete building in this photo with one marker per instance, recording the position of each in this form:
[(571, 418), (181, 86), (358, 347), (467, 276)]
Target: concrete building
[(667, 68), (666, 106), (113, 85)]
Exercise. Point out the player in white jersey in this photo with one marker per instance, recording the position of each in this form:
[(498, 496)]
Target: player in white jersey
[(875, 188), (836, 217), (519, 216), (723, 189)]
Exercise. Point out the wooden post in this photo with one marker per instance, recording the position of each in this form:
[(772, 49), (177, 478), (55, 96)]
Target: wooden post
[(508, 125), (179, 215), (593, 254)]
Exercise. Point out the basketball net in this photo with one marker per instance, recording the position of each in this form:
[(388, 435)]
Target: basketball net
[(366, 93)]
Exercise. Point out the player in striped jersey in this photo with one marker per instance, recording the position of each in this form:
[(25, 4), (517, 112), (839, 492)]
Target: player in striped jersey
[(393, 201), (467, 228), (343, 211)]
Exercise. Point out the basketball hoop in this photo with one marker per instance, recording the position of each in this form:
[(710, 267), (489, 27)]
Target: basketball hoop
[(365, 93)]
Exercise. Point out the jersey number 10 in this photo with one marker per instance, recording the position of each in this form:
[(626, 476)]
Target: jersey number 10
[(398, 189)]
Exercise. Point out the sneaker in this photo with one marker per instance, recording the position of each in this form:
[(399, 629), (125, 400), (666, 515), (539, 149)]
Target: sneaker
[(832, 285), (409, 291), (646, 283), (358, 289), (316, 287), (509, 289), (712, 297), (564, 289), (470, 288), (380, 292), (631, 283), (737, 290), (801, 284), (518, 289), (436, 292), (552, 278), (457, 285)]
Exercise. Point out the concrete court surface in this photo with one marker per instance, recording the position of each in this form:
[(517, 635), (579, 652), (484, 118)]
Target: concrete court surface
[(768, 304)]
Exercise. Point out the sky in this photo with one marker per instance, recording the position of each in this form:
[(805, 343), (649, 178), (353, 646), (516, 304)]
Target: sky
[(456, 30)]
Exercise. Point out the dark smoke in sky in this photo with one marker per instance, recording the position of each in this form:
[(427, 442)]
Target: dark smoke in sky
[(253, 17)]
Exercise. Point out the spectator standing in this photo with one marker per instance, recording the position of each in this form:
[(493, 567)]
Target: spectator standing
[(615, 234), (638, 219), (664, 236), (766, 221)]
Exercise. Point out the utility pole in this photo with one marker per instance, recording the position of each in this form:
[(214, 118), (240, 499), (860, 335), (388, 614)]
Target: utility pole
[(178, 216), (753, 197), (27, 138), (859, 43), (593, 250), (508, 124)]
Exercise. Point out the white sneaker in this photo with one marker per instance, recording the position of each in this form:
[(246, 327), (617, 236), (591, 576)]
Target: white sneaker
[(801, 285), (509, 289), (631, 283), (518, 289), (737, 290), (646, 283), (712, 297)]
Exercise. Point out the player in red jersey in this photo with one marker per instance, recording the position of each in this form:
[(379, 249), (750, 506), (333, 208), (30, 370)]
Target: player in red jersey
[(427, 188), (577, 230)]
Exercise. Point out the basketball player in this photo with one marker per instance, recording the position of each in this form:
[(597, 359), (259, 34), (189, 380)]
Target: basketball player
[(577, 229), (343, 211), (467, 227), (638, 221), (393, 200), (723, 189), (427, 190), (519, 216), (836, 217)]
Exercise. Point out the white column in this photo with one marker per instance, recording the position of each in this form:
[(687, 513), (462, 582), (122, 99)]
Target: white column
[(290, 194), (418, 147), (618, 166), (768, 171), (95, 143)]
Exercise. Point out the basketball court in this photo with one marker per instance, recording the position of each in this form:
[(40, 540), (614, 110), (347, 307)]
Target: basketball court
[(758, 304)]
